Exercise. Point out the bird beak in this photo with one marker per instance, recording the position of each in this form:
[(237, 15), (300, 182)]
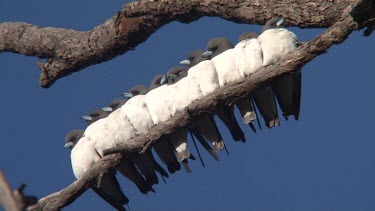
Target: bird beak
[(278, 23), (186, 62), (207, 54), (68, 145), (164, 79), (127, 94), (108, 109), (87, 118)]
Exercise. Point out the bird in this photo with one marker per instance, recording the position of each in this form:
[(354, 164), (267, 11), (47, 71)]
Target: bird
[(276, 42), (159, 101), (116, 130), (98, 132), (263, 97), (203, 72), (248, 58), (94, 116), (220, 52), (83, 156), (248, 53), (137, 112), (163, 147), (115, 104), (178, 138), (178, 75)]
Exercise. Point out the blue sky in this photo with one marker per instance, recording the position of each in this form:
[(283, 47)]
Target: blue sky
[(325, 161)]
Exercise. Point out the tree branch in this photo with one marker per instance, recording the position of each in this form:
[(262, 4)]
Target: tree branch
[(68, 51), (7, 199), (66, 196), (336, 34), (22, 199)]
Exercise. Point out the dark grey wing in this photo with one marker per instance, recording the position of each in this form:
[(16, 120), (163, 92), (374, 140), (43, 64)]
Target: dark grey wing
[(204, 143), (287, 89), (208, 128), (265, 101), (166, 154), (157, 166), (247, 112), (128, 169), (297, 93), (146, 166), (109, 189), (226, 114)]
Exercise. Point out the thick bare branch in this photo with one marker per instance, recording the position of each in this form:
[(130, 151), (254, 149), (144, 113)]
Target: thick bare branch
[(68, 51), (63, 198), (22, 199), (7, 199), (334, 35)]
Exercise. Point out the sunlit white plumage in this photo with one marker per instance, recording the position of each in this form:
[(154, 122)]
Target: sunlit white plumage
[(205, 75), (276, 43), (83, 156), (226, 67), (248, 57), (159, 102), (185, 92), (137, 112)]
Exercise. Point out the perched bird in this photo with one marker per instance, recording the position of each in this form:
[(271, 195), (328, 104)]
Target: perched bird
[(136, 109), (276, 42), (162, 147), (185, 87), (99, 133), (137, 112), (248, 58), (159, 101), (94, 116), (220, 51), (263, 96), (116, 130), (203, 72), (115, 104), (248, 53), (83, 156), (178, 138)]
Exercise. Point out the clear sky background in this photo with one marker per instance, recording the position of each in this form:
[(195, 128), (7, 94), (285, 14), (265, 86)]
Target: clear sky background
[(325, 161)]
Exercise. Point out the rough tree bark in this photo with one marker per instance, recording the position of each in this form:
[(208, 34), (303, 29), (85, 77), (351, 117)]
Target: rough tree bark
[(7, 199), (68, 51), (361, 16)]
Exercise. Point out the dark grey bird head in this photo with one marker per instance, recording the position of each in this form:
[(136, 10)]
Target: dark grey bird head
[(247, 36), (176, 73), (136, 90), (275, 22), (94, 116), (193, 58), (155, 83), (216, 46), (115, 104), (72, 138)]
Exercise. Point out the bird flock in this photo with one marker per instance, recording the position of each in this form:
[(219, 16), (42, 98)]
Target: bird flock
[(199, 75)]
